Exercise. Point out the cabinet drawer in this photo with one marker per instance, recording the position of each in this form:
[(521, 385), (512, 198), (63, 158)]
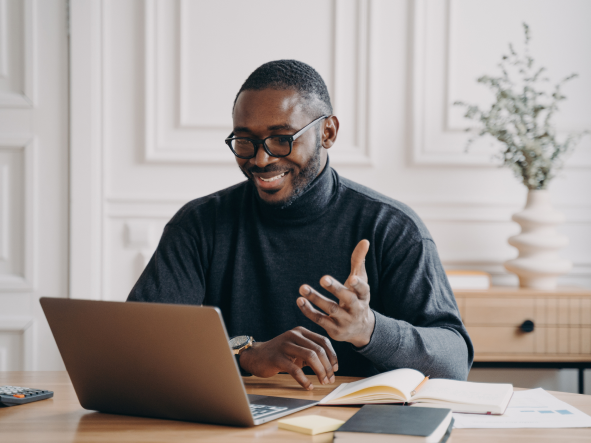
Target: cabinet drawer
[(501, 340), (490, 311), (563, 311), (574, 340)]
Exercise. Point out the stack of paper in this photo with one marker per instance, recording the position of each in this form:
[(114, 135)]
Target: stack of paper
[(534, 408)]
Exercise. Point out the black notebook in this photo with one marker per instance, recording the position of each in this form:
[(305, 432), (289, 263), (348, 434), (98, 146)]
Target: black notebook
[(376, 423)]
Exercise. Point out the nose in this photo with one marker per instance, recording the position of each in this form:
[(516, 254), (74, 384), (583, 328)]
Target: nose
[(262, 159)]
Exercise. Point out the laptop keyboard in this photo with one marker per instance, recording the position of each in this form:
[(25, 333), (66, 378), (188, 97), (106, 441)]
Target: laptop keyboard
[(259, 411)]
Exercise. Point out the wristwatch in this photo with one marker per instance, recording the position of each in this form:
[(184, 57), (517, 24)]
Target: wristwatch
[(239, 344)]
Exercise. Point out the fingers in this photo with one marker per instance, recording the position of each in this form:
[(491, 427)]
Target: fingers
[(296, 372), (311, 354), (320, 355), (313, 314), (341, 292), (327, 305), (358, 259), (358, 290), (326, 345), (360, 287)]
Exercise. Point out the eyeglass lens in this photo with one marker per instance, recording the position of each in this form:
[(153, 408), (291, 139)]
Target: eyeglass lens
[(278, 145)]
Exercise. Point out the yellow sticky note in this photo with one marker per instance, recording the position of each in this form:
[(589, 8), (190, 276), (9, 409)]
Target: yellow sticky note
[(311, 424)]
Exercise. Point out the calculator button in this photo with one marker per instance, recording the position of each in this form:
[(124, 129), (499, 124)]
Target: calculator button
[(19, 396)]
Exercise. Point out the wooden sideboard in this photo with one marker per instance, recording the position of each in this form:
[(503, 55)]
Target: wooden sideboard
[(528, 328)]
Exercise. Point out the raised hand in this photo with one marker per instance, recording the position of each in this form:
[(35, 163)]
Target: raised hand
[(351, 319), (290, 352)]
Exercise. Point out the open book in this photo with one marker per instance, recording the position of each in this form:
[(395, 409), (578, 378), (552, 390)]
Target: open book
[(402, 386)]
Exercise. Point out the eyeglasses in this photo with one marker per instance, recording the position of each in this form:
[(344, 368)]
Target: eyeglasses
[(274, 145)]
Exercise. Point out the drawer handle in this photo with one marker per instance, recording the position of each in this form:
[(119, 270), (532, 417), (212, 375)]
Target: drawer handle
[(527, 326)]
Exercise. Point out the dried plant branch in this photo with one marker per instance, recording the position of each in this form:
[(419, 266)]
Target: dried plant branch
[(521, 118)]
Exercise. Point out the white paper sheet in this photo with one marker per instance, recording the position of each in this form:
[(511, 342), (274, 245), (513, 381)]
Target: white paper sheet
[(534, 408)]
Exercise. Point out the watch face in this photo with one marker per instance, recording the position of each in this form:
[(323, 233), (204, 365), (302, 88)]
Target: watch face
[(239, 341)]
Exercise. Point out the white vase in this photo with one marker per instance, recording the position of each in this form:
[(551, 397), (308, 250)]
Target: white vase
[(538, 264)]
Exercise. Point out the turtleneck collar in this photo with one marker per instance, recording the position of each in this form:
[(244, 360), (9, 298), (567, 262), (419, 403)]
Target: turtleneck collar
[(310, 205)]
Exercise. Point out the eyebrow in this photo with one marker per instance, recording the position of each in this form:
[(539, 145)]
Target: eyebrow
[(282, 127)]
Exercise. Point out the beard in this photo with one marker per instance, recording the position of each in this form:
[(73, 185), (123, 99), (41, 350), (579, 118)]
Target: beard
[(301, 182)]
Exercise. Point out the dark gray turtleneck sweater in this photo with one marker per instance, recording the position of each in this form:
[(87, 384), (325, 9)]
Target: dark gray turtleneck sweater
[(233, 251)]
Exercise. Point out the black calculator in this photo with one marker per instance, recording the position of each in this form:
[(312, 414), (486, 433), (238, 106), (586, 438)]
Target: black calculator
[(15, 395)]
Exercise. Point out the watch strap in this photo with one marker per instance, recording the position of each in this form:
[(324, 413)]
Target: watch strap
[(242, 371)]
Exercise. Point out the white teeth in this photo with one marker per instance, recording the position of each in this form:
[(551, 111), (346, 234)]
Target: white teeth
[(272, 178)]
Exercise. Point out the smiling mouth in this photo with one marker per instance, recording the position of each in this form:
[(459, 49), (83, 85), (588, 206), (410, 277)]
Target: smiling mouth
[(272, 179)]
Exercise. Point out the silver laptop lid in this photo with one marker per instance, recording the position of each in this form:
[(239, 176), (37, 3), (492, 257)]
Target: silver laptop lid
[(153, 360)]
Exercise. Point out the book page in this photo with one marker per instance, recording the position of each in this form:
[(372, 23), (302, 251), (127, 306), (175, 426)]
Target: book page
[(403, 380), (469, 393), (334, 394)]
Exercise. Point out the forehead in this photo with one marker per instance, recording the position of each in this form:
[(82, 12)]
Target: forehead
[(268, 107)]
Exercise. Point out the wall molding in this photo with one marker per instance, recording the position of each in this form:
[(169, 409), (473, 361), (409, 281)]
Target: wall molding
[(190, 142), (27, 281), (28, 97), (422, 149), (3, 39), (28, 327), (123, 222), (439, 140), (141, 213), (141, 236), (464, 212), (450, 210), (87, 176), (184, 121), (146, 215)]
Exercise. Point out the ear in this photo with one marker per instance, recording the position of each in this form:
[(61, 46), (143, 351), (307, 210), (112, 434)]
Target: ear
[(331, 129)]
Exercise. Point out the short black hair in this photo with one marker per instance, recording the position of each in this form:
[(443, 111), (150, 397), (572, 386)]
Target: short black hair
[(291, 74)]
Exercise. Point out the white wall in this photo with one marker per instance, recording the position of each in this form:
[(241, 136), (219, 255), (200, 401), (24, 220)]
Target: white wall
[(153, 83), (33, 178)]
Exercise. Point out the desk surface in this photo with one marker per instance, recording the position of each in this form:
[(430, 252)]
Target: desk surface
[(62, 419)]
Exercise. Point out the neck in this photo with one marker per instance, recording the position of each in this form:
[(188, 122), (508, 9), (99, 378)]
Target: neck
[(310, 204)]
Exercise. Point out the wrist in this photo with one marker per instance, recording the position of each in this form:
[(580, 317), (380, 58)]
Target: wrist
[(244, 358), (365, 337)]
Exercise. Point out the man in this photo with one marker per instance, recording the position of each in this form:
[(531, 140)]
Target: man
[(258, 249)]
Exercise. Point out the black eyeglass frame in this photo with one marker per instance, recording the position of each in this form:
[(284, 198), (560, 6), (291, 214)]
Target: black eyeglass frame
[(258, 142)]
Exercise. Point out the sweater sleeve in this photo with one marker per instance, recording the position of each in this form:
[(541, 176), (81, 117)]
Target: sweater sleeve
[(419, 325), (175, 273)]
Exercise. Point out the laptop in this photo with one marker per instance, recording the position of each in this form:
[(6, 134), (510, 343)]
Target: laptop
[(157, 360)]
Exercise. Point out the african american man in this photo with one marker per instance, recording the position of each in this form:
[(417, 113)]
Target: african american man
[(323, 273)]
